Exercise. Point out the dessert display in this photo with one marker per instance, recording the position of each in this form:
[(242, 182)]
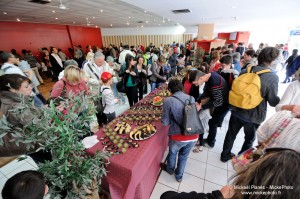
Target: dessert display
[(143, 132), (136, 124), (157, 101), (122, 128)]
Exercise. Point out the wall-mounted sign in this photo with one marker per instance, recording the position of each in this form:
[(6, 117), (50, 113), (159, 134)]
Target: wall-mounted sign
[(294, 32)]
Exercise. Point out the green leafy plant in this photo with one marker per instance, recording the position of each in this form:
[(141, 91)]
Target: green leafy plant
[(199, 56), (71, 169)]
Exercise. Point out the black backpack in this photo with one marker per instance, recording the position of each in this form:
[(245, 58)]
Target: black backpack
[(191, 123)]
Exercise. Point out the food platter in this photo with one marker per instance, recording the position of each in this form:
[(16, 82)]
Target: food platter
[(143, 132), (157, 104)]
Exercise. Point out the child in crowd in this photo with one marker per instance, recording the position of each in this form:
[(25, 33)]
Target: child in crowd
[(26, 184), (167, 71), (108, 99)]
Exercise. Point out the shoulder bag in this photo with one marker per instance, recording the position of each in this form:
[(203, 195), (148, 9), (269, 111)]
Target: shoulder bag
[(242, 161)]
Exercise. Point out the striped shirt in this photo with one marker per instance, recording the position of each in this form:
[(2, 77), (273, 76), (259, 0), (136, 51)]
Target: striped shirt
[(216, 89)]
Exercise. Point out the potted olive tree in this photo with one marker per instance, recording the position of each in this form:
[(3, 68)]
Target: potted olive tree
[(71, 170)]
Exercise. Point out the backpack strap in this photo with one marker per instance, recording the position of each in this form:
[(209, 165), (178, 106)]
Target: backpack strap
[(7, 68), (181, 127), (179, 100), (102, 98), (250, 69), (88, 64), (263, 71)]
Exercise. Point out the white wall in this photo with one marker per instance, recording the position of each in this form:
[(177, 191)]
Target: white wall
[(143, 31)]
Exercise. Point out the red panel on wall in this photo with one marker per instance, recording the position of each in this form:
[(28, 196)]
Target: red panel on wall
[(32, 36), (224, 36), (240, 37), (243, 37)]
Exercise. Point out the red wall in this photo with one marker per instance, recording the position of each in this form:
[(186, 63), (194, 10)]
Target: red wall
[(240, 37), (224, 36), (32, 36)]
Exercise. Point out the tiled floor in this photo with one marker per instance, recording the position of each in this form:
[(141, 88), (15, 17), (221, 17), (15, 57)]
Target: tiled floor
[(204, 171)]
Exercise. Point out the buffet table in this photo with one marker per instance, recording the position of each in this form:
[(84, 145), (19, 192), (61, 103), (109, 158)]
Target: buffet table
[(133, 175)]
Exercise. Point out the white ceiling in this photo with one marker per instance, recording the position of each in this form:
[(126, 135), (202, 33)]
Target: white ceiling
[(115, 12), (227, 15)]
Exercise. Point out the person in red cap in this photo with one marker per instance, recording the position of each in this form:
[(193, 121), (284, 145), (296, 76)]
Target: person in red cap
[(108, 99)]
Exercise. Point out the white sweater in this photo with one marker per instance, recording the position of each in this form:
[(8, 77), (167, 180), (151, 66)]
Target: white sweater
[(93, 82), (108, 100), (291, 96), (288, 138)]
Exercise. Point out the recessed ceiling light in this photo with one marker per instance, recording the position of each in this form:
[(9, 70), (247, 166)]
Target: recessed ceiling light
[(56, 18), (233, 7), (53, 11), (74, 22), (129, 17), (147, 21), (110, 25), (93, 17), (142, 26), (18, 19), (169, 19), (145, 11), (96, 26), (164, 21), (101, 10), (127, 23), (5, 13)]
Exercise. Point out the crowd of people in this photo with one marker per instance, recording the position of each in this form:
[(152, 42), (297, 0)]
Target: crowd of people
[(99, 71)]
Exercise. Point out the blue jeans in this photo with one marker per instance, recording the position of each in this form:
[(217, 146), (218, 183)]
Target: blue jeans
[(116, 93), (183, 150), (154, 85)]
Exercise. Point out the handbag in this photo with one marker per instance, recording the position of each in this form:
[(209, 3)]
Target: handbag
[(241, 162), (191, 124), (121, 86)]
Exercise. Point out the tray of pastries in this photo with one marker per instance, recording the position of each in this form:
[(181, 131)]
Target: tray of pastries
[(143, 132)]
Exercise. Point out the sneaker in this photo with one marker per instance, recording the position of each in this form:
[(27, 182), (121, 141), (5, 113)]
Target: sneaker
[(208, 144), (163, 167), (226, 158), (179, 180)]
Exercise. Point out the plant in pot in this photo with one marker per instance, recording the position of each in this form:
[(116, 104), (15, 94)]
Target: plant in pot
[(71, 170)]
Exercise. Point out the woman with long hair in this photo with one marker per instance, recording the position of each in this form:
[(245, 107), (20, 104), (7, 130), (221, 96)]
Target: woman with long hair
[(142, 72), (274, 176), (130, 76), (71, 84)]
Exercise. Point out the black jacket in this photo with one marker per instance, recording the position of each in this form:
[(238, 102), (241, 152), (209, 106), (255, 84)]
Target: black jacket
[(56, 68), (122, 73), (192, 195)]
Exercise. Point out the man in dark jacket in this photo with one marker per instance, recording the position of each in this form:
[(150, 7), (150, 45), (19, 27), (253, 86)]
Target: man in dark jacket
[(214, 97), (251, 119)]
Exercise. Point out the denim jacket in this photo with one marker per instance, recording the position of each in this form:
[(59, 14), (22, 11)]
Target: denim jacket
[(173, 109)]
